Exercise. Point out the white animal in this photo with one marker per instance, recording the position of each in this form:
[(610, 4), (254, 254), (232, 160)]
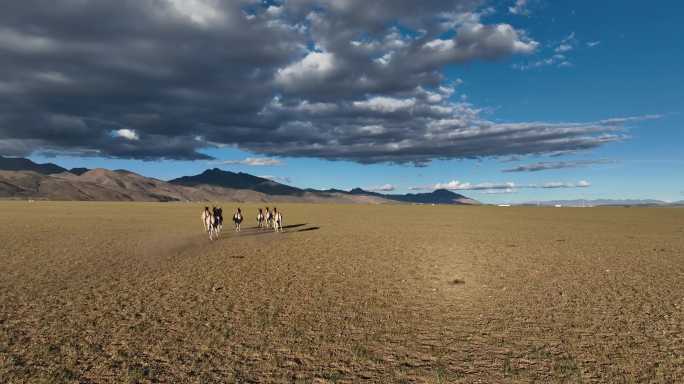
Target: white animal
[(269, 218), (277, 221), (205, 218), (208, 221)]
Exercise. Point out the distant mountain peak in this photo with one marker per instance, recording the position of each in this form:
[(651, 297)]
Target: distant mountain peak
[(444, 192), (227, 179), (359, 191), (21, 164), (438, 196)]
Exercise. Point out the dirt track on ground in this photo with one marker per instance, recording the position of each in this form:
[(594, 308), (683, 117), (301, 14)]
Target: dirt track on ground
[(134, 292)]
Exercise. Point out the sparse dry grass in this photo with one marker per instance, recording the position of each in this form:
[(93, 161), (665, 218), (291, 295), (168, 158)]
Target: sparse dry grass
[(121, 292)]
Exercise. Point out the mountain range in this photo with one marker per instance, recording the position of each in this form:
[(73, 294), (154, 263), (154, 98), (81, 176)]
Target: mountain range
[(21, 164), (25, 179)]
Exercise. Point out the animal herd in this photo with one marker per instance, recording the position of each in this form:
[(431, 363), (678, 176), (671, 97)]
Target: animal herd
[(266, 219)]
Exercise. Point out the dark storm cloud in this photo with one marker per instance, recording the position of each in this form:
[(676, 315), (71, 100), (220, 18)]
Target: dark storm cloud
[(336, 80), (75, 72), (546, 165)]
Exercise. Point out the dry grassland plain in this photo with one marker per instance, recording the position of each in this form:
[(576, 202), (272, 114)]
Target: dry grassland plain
[(135, 292)]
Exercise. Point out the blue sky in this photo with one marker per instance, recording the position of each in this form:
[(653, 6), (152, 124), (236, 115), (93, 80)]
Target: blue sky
[(619, 59)]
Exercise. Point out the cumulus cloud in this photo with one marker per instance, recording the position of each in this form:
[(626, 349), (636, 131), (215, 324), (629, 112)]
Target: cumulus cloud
[(489, 187), (127, 134), (382, 188), (315, 66), (546, 165), (253, 161), (353, 80), (385, 104)]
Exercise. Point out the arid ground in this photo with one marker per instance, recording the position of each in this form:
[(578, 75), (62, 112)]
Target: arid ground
[(135, 292)]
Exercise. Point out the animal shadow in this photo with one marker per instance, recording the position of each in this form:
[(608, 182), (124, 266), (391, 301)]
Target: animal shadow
[(293, 226), (309, 229)]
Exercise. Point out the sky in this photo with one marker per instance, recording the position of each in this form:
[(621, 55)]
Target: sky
[(502, 101)]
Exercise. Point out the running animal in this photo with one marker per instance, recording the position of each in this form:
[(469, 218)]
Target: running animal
[(237, 219), (260, 218), (208, 221), (269, 218), (277, 220), (205, 218), (218, 220)]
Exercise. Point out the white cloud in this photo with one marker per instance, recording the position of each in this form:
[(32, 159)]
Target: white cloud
[(385, 104), (314, 66), (455, 185), (474, 40), (372, 129), (253, 161), (558, 60), (382, 188), (592, 44), (127, 134), (385, 59), (200, 12), (490, 187), (306, 106), (440, 45), (563, 48), (556, 184), (552, 165), (274, 10), (498, 191), (519, 8)]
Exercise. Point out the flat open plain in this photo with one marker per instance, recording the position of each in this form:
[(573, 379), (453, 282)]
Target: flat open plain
[(135, 292)]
